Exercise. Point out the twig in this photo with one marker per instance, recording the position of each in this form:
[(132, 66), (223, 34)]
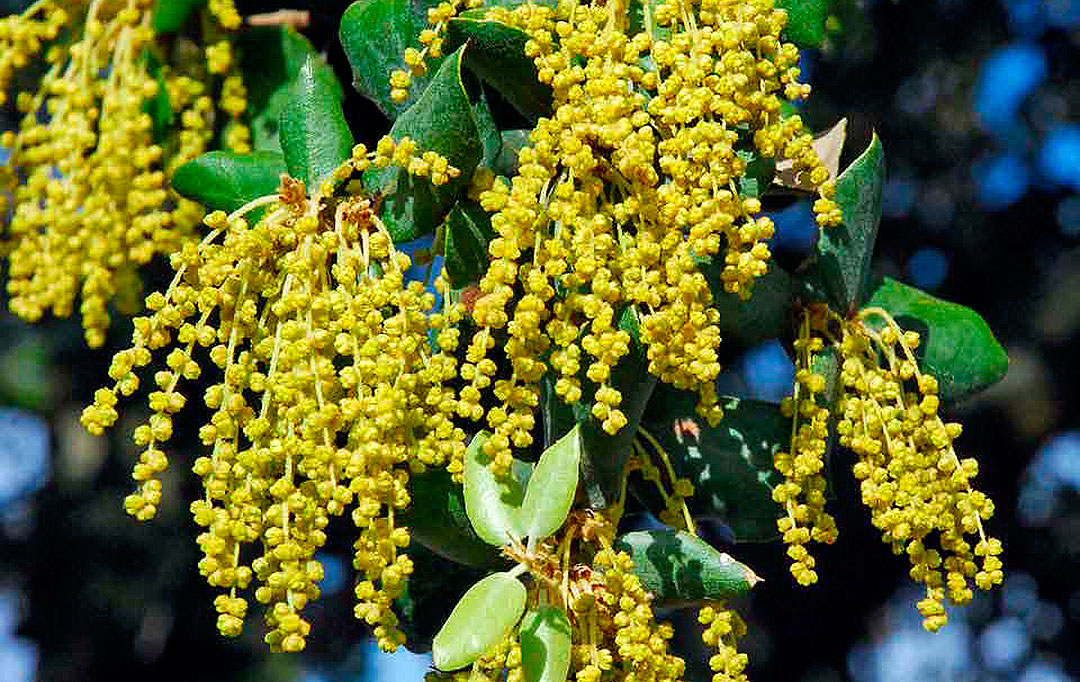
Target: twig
[(297, 18)]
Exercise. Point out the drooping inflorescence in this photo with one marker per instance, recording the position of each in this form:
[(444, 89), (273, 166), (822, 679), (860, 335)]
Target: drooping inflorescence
[(803, 492), (326, 393), (630, 184), (917, 488), (333, 379), (89, 165)]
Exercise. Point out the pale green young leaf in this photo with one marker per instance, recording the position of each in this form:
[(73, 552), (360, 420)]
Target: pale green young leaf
[(482, 618), (545, 644), (551, 488), (493, 503)]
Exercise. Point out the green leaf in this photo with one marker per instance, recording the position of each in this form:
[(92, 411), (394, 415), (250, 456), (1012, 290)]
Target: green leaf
[(226, 181), (270, 58), (158, 107), (637, 19), (730, 465), (437, 519), (677, 566), (605, 454), (440, 121), (374, 35), (314, 135), (956, 345), (806, 21), (467, 234), (551, 488), (545, 644), (481, 619), (844, 251), (512, 143), (497, 54), (765, 316), (759, 170), (492, 503), (430, 593), (486, 127), (169, 16)]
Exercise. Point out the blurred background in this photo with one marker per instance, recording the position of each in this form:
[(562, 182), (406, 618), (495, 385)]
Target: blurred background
[(978, 105)]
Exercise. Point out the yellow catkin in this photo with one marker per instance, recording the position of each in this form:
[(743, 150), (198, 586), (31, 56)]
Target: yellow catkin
[(330, 383), (916, 486), (621, 194), (723, 629), (802, 494), (91, 202)]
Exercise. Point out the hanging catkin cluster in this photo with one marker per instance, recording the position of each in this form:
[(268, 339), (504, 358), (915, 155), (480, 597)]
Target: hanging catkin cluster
[(802, 494), (91, 202), (624, 190), (330, 386), (917, 488)]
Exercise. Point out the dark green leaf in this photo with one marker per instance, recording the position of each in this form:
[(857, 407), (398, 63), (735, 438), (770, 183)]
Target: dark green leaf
[(497, 54), (485, 125), (441, 121), (226, 181), (730, 465), (844, 251), (492, 503), (956, 344), (374, 35), (271, 57), (481, 619), (759, 170), (677, 566), (512, 143), (171, 15), (545, 644), (314, 135), (806, 21), (605, 454), (158, 107), (430, 593), (551, 488), (437, 519), (763, 317), (467, 233)]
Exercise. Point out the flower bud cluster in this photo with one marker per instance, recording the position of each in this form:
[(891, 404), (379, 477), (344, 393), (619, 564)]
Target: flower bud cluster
[(91, 202), (620, 638), (431, 41), (917, 488), (803, 492), (723, 629), (22, 37), (330, 386), (622, 193)]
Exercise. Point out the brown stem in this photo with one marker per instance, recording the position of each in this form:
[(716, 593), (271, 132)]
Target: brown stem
[(297, 18)]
